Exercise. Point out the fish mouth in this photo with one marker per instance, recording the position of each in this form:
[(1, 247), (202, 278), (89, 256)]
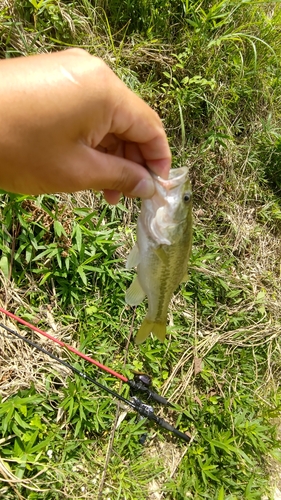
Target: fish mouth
[(177, 176)]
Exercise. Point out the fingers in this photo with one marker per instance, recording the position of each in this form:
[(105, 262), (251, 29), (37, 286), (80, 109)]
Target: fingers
[(134, 121), (112, 197), (132, 152), (110, 173), (110, 144)]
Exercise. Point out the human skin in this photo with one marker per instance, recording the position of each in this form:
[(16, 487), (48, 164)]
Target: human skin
[(68, 123)]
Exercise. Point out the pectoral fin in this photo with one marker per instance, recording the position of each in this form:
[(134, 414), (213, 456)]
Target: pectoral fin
[(133, 259), (135, 294), (158, 329)]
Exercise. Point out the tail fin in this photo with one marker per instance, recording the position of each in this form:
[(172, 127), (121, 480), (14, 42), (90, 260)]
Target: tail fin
[(159, 330)]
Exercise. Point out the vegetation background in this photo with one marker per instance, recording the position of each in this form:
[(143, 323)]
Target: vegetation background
[(212, 71)]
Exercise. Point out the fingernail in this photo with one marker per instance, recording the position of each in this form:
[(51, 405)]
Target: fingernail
[(144, 189)]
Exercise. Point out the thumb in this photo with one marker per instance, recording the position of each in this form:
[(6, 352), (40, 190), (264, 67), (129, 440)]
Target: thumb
[(103, 171)]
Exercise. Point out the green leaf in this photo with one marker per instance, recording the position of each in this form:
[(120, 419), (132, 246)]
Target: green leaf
[(45, 277), (82, 275), (23, 409), (91, 310), (20, 250), (210, 475), (58, 256), (70, 409), (221, 494), (20, 421), (7, 419), (58, 228), (36, 422), (42, 445), (4, 265), (77, 428), (78, 233), (276, 454), (34, 3), (31, 441), (18, 447), (28, 254), (82, 413)]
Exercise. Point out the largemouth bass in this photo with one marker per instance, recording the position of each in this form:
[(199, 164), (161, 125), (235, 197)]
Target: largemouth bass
[(162, 251)]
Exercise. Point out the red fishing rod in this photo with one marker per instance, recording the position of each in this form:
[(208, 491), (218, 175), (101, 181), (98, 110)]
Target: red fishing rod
[(139, 384), (62, 344)]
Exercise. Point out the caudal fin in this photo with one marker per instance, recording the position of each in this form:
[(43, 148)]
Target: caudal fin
[(159, 330)]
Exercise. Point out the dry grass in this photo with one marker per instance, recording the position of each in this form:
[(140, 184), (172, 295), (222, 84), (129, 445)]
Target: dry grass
[(22, 365)]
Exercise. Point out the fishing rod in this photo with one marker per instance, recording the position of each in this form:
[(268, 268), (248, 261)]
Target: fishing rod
[(135, 385), (136, 404)]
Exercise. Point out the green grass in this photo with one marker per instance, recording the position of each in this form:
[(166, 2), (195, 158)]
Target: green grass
[(212, 71)]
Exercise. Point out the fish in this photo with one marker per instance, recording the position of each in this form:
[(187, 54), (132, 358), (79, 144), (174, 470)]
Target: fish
[(162, 250)]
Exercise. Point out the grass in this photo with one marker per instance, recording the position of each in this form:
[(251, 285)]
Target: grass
[(212, 71)]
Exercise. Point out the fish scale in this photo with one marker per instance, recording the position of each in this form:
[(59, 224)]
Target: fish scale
[(161, 254), (169, 275)]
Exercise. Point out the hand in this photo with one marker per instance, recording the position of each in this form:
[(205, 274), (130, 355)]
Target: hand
[(68, 123)]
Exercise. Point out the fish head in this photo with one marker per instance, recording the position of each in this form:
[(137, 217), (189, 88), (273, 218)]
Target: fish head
[(169, 211)]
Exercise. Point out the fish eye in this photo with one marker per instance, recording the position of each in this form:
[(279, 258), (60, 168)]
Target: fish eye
[(186, 197)]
